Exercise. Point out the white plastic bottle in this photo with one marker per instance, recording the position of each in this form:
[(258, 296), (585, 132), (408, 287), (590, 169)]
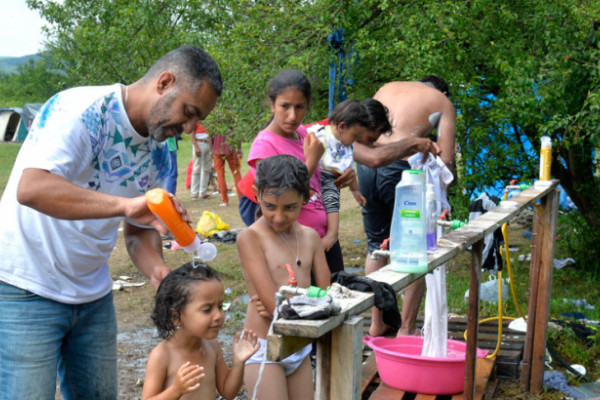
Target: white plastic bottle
[(408, 242), (431, 218)]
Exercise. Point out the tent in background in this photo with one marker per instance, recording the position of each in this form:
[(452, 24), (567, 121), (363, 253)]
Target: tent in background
[(15, 121), (10, 117)]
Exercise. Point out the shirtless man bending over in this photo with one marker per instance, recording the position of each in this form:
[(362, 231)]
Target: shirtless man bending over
[(415, 110)]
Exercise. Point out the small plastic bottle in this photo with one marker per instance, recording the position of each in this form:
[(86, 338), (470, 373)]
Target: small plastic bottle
[(431, 209), (545, 158), (408, 242), (161, 205)]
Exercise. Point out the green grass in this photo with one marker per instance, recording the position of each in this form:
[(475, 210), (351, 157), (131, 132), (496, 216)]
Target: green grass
[(8, 154)]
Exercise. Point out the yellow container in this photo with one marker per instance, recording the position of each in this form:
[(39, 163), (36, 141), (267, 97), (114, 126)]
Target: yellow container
[(545, 158)]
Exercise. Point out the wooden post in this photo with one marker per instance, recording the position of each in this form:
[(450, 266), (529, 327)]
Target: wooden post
[(473, 320), (346, 360), (534, 273), (548, 222), (323, 373)]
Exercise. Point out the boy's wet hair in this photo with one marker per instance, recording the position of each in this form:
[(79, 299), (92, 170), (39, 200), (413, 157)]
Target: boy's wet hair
[(174, 293), (351, 112), (191, 66), (437, 83), (378, 114), (286, 79), (282, 172)]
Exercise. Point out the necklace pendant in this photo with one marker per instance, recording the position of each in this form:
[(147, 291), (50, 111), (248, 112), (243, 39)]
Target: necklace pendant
[(298, 262)]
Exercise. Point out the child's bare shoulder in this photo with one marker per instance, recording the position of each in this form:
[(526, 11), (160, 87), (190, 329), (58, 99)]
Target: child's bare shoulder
[(160, 353)]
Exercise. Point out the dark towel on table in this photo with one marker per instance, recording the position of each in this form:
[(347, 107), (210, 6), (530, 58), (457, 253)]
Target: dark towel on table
[(384, 295)]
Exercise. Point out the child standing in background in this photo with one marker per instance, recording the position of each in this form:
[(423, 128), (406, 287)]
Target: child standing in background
[(289, 95), (273, 240), (349, 122), (188, 314)]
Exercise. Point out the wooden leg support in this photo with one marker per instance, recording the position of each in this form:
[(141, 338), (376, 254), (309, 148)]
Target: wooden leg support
[(539, 306), (473, 321), (339, 362)]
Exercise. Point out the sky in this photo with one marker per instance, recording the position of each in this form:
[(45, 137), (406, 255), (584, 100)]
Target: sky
[(20, 29)]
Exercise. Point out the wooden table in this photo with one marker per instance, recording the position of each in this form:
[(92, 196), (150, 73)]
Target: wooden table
[(339, 338)]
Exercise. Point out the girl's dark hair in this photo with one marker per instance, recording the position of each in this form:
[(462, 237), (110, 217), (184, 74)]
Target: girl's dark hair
[(282, 172), (174, 293), (286, 79), (437, 83), (378, 114), (351, 112)]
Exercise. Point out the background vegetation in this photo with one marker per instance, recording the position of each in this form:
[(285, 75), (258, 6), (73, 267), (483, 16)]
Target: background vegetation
[(517, 70)]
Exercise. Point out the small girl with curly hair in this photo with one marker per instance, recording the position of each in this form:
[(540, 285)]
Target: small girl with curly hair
[(188, 313)]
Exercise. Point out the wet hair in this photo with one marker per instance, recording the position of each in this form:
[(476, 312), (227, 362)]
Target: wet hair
[(437, 83), (378, 115), (351, 112), (191, 66), (289, 78), (174, 293), (282, 172)]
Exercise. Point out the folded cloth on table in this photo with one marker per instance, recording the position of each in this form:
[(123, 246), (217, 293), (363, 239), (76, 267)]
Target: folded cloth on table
[(384, 295), (304, 307)]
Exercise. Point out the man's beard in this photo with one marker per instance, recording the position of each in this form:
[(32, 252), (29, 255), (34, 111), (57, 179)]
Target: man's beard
[(159, 113)]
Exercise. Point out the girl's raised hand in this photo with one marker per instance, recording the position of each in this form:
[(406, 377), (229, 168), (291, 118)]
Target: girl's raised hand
[(188, 378), (245, 344)]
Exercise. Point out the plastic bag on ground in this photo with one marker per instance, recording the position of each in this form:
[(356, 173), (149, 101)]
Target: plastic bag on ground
[(210, 223)]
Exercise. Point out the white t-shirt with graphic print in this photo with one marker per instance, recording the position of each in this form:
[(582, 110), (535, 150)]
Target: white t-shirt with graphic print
[(84, 135)]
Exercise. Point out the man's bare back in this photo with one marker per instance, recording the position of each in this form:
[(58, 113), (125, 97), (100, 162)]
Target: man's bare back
[(415, 109)]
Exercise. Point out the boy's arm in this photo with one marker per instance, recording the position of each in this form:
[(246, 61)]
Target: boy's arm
[(254, 263), (319, 266)]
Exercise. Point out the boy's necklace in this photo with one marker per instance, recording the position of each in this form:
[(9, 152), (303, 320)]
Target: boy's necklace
[(298, 262)]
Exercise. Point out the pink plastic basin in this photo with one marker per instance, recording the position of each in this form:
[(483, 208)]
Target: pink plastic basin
[(401, 365)]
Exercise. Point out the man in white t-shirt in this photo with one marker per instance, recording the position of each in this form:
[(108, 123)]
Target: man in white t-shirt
[(91, 154)]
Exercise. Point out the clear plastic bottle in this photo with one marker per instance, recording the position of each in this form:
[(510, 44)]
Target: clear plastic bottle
[(408, 243), (432, 216), (545, 158)]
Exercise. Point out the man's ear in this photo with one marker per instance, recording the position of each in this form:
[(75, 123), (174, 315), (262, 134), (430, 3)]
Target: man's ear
[(255, 191), (165, 81)]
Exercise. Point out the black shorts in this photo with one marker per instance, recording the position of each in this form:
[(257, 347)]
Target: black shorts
[(378, 186)]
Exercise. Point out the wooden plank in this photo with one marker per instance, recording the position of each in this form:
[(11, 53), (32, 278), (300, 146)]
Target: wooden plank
[(323, 375), (346, 360), (425, 397), (473, 320), (534, 273), (384, 392), (549, 221), (485, 369), (279, 348), (369, 372)]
